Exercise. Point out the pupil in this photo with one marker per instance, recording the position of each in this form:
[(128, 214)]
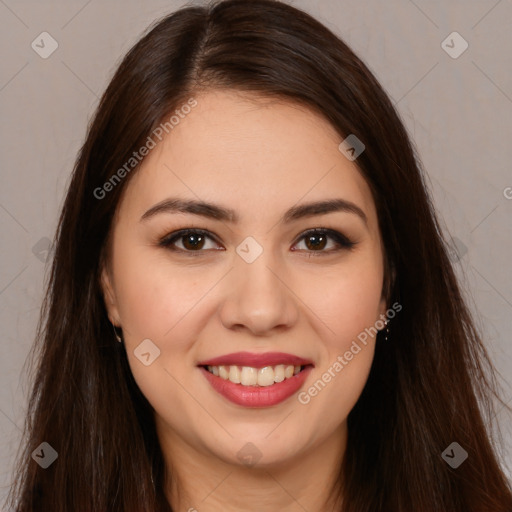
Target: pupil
[(193, 241), (318, 241)]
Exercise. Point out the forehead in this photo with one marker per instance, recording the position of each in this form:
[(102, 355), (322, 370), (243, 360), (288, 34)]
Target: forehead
[(253, 154)]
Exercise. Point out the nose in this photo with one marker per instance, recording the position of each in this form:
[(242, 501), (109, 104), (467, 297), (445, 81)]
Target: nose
[(258, 298)]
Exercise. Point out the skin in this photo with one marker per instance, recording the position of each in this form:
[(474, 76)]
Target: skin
[(259, 157)]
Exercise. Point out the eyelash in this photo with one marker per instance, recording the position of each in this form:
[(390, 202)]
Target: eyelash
[(343, 242)]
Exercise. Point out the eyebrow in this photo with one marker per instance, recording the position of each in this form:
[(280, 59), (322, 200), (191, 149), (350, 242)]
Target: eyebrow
[(216, 212)]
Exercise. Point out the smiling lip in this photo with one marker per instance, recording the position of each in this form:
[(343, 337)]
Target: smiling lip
[(256, 396), (256, 360)]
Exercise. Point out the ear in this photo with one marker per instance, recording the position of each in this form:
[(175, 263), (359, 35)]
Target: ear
[(389, 283), (383, 307), (387, 288), (109, 297)]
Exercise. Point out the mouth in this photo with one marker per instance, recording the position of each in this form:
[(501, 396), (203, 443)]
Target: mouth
[(256, 379), (265, 376), (255, 387)]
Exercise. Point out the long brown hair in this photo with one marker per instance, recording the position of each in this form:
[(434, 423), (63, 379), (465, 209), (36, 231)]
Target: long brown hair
[(432, 382)]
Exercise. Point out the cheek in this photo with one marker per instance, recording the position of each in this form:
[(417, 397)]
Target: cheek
[(142, 298), (347, 348), (156, 302), (153, 296), (349, 304), (346, 298)]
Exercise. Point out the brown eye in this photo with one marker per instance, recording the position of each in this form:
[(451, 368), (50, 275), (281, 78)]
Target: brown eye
[(316, 240), (191, 240)]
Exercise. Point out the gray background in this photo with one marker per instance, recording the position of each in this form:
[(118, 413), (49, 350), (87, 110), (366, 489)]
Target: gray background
[(458, 112)]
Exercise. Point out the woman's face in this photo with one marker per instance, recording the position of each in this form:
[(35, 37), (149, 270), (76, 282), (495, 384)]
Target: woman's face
[(254, 282)]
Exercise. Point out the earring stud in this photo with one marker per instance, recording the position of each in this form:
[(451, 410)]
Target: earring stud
[(387, 330)]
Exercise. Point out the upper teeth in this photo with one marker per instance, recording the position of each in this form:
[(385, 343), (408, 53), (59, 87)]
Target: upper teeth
[(248, 376)]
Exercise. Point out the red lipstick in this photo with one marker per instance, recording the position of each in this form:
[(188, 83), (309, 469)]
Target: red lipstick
[(256, 360), (257, 396)]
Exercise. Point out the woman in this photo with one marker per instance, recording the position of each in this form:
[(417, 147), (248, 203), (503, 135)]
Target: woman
[(251, 306)]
